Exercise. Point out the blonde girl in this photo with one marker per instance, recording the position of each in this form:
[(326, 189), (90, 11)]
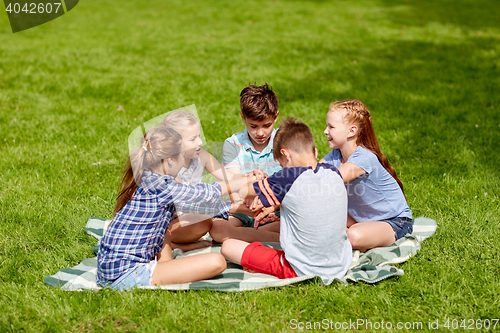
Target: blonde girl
[(377, 207), (135, 250), (187, 228)]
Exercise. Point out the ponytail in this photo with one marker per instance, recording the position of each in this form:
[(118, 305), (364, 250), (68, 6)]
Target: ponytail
[(357, 113), (157, 144), (128, 186)]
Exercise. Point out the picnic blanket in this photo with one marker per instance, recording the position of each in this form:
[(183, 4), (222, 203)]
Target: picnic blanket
[(370, 267)]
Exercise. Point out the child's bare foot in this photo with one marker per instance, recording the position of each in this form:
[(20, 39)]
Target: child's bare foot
[(191, 246)]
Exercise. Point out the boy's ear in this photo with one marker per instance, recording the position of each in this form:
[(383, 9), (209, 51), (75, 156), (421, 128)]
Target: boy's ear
[(315, 153), (353, 131), (286, 154), (242, 117)]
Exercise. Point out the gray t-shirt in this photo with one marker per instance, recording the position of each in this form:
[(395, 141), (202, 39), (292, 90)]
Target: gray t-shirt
[(374, 196), (313, 218)]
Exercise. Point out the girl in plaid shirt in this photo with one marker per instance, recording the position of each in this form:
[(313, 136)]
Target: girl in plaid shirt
[(135, 251)]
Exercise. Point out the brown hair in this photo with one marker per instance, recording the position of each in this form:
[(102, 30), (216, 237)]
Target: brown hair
[(293, 134), (356, 113), (258, 102), (158, 144)]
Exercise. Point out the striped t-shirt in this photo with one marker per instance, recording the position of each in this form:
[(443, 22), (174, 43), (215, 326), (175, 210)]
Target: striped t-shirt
[(313, 218), (239, 152)]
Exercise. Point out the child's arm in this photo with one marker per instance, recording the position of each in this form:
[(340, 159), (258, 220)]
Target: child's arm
[(230, 157), (248, 192), (216, 169), (195, 199), (240, 184), (350, 171), (241, 207), (203, 199)]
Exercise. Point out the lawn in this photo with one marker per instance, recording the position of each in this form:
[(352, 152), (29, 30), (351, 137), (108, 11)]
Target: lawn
[(72, 90)]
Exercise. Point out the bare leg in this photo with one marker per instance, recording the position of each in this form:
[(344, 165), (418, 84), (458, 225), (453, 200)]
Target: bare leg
[(350, 221), (232, 250), (191, 246), (274, 227), (188, 269), (221, 231), (188, 228), (235, 222), (166, 251), (367, 235)]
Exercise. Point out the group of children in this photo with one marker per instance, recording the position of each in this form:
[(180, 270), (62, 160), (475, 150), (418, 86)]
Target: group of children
[(318, 211)]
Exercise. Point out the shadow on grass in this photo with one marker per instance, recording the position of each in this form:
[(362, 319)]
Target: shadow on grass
[(478, 14)]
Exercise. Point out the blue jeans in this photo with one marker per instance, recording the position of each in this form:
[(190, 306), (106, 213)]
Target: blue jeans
[(138, 276), (401, 226)]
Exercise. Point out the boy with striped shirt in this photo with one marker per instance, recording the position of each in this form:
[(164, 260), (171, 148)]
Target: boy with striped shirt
[(247, 151), (313, 203)]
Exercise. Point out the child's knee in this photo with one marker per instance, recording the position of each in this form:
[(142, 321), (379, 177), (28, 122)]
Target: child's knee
[(224, 249), (218, 262), (354, 236), (218, 230), (205, 225)]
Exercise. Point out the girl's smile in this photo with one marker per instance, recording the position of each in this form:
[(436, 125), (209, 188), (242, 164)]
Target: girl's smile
[(192, 142), (337, 131)]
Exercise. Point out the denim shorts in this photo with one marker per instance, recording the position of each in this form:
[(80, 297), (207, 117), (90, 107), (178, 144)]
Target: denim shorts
[(138, 276), (401, 226)]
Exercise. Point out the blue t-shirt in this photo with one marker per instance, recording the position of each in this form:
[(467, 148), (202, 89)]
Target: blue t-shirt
[(374, 196), (238, 152), (313, 218)]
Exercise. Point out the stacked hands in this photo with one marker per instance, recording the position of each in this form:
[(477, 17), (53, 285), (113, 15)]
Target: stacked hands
[(261, 214)]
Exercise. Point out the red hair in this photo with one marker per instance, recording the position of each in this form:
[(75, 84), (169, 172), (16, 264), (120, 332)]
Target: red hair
[(357, 114)]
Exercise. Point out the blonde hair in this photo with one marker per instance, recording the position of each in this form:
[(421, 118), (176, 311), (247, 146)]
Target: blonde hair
[(157, 144), (356, 113), (179, 119)]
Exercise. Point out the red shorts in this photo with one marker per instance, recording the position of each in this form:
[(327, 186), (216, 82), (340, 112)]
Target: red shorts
[(265, 260)]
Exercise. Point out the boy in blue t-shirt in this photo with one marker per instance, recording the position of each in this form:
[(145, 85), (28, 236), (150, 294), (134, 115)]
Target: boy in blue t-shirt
[(247, 151), (313, 203)]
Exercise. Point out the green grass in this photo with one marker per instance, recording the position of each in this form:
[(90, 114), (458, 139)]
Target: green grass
[(428, 71)]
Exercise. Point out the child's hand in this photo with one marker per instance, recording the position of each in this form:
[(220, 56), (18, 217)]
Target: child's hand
[(241, 207), (249, 202), (259, 174), (265, 215), (235, 197), (251, 178), (255, 204), (272, 217)]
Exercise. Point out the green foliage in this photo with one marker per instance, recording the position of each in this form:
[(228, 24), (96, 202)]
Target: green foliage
[(427, 70)]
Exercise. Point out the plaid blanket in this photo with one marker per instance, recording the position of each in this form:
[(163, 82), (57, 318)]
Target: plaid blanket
[(370, 267)]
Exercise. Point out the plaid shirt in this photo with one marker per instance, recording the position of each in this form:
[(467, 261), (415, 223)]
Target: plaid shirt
[(239, 152), (137, 231)]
